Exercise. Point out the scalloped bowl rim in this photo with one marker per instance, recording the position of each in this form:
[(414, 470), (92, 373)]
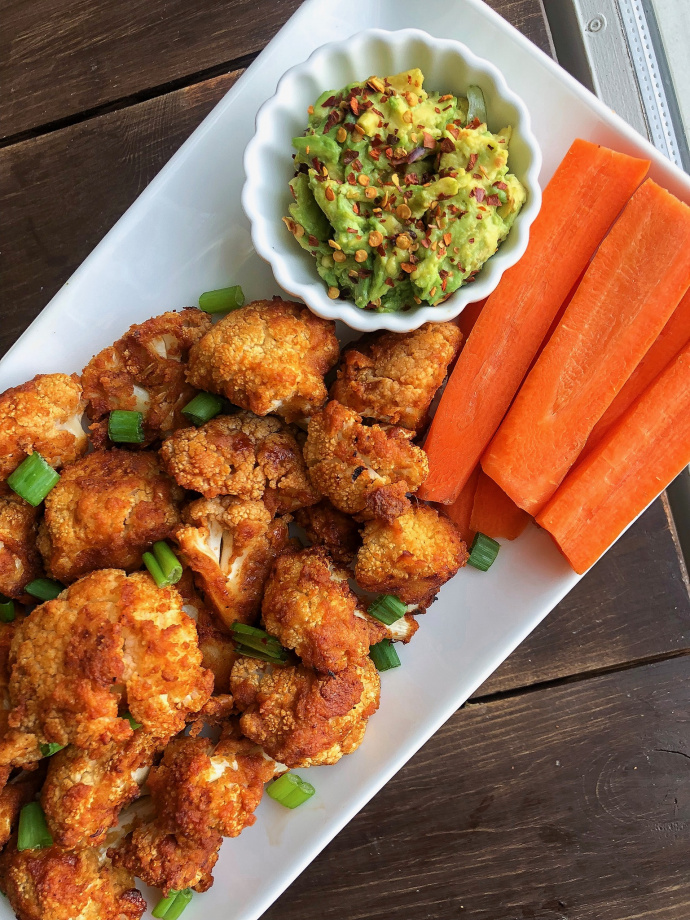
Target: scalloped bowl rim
[(273, 244)]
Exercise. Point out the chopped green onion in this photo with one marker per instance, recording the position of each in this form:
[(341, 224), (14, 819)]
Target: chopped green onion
[(256, 643), (223, 300), (51, 748), (483, 552), (132, 721), (33, 479), (33, 830), (171, 908), (7, 611), (290, 790), (384, 655), (126, 427), (170, 565), (155, 571), (45, 589), (387, 608), (203, 408), (476, 105)]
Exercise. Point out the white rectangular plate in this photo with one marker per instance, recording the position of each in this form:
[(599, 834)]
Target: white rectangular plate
[(185, 234)]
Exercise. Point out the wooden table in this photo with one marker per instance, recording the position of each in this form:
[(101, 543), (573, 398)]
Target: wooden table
[(562, 789)]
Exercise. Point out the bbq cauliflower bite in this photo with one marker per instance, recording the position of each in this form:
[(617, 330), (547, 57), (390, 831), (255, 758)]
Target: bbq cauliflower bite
[(43, 415), (106, 510), (60, 884), (242, 455), (17, 748), (411, 557), (20, 561), (392, 377), (364, 470), (217, 648), (144, 371), (301, 718), (108, 643), (230, 545), (325, 526), (309, 607), (270, 356)]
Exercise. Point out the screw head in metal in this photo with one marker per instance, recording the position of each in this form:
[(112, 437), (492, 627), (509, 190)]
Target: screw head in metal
[(596, 24)]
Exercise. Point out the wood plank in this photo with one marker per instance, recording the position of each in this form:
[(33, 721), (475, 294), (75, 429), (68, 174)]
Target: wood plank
[(567, 804), (60, 58)]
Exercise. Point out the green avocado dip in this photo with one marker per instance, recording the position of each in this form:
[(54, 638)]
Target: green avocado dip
[(401, 196)]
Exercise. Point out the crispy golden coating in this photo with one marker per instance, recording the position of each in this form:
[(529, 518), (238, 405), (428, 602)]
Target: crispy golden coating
[(309, 607), (17, 793), (60, 884), (300, 718), (216, 647), (363, 470), (411, 556), (20, 561), (325, 526), (242, 455), (270, 356), (42, 415), (230, 545), (17, 747), (84, 793), (107, 643), (145, 371), (107, 509), (392, 377)]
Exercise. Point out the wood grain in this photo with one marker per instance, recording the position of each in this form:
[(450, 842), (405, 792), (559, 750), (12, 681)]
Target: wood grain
[(60, 59), (566, 804)]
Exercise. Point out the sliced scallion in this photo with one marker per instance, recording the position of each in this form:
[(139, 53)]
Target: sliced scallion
[(132, 721), (223, 300), (44, 589), (170, 565), (387, 608), (33, 830), (476, 105), (384, 655), (171, 908), (155, 571), (126, 426), (256, 643), (290, 790), (203, 408), (7, 611), (483, 552), (33, 479), (47, 750)]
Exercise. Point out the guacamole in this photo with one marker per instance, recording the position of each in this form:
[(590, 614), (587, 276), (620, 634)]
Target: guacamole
[(400, 195)]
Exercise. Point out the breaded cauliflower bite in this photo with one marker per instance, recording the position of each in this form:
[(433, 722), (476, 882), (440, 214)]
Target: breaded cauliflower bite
[(106, 510), (144, 371), (20, 561), (269, 357), (412, 556), (17, 747), (363, 470), (230, 545), (309, 607), (242, 455), (60, 884), (17, 793), (217, 648), (109, 643), (392, 377), (301, 718), (325, 526), (43, 415)]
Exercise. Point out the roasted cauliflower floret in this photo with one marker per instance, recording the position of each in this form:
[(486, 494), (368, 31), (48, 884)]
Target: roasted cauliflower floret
[(17, 793), (217, 648), (17, 747), (301, 718), (84, 793), (309, 607), (20, 561), (411, 556), (270, 356), (106, 510), (392, 377), (60, 884), (230, 545), (363, 470), (43, 415), (242, 455), (325, 526), (106, 644), (145, 371)]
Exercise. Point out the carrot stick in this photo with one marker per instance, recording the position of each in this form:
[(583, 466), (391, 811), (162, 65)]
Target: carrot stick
[(637, 457), (469, 316), (634, 283), (671, 339), (460, 511), (580, 203), (494, 513)]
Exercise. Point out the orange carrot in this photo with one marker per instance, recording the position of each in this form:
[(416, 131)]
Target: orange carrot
[(580, 203), (494, 513), (634, 283), (460, 511), (671, 339), (469, 317), (637, 457)]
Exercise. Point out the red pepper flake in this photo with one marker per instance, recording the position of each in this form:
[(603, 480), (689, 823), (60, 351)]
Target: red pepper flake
[(425, 243), (367, 104), (477, 176), (437, 110), (374, 109), (349, 156), (332, 120), (491, 146), (444, 285), (478, 193), (315, 163), (330, 101), (354, 105), (447, 145), (479, 217), (351, 179), (429, 141), (376, 141), (472, 161), (351, 230), (365, 273), (493, 200), (389, 152), (389, 282), (471, 240), (448, 107), (501, 185), (451, 129), (474, 124), (381, 251), (357, 165), (312, 240), (355, 208), (407, 194), (411, 179), (375, 154)]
